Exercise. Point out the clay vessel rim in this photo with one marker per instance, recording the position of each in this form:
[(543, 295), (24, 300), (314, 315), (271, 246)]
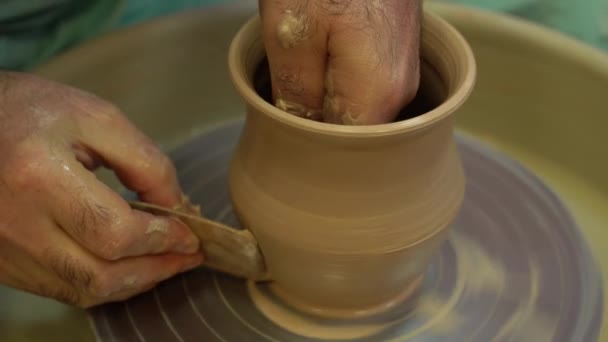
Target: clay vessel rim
[(454, 100)]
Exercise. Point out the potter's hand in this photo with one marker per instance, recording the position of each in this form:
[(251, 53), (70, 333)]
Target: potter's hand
[(63, 233), (346, 62)]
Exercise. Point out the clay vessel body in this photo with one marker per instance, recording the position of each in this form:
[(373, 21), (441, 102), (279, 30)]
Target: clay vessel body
[(349, 217)]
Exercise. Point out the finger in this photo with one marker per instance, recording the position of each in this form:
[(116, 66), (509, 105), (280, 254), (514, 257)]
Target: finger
[(373, 68), (98, 281), (20, 270), (55, 266), (295, 43), (139, 164), (104, 223), (142, 280), (89, 280), (39, 281)]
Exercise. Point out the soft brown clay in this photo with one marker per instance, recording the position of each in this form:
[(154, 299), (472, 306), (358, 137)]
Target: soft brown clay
[(187, 207), (348, 217)]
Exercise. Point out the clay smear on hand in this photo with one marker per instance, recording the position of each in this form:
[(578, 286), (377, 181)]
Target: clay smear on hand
[(292, 29), (158, 225), (334, 112), (129, 282), (298, 109)]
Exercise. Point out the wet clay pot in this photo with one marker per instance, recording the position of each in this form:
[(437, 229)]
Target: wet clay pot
[(348, 217)]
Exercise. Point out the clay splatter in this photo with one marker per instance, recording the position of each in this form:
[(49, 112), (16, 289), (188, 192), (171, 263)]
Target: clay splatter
[(158, 225), (292, 29)]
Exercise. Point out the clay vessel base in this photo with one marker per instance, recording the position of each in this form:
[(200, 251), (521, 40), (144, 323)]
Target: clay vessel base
[(320, 323), (277, 293)]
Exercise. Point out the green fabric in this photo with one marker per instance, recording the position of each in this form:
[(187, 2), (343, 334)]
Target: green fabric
[(139, 10), (582, 19), (32, 31)]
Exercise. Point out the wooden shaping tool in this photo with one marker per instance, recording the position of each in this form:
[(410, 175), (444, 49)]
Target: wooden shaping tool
[(226, 249)]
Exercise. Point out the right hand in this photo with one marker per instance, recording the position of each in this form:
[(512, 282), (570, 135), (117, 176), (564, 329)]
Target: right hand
[(63, 233), (349, 62)]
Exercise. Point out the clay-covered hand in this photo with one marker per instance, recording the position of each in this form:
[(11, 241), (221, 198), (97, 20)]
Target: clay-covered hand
[(353, 62), (63, 233)]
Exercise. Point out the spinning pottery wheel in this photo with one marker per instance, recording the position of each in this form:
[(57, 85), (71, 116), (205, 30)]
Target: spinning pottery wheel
[(517, 264), (514, 267)]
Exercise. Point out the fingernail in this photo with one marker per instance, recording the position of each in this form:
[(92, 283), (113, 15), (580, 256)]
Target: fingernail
[(189, 246)]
